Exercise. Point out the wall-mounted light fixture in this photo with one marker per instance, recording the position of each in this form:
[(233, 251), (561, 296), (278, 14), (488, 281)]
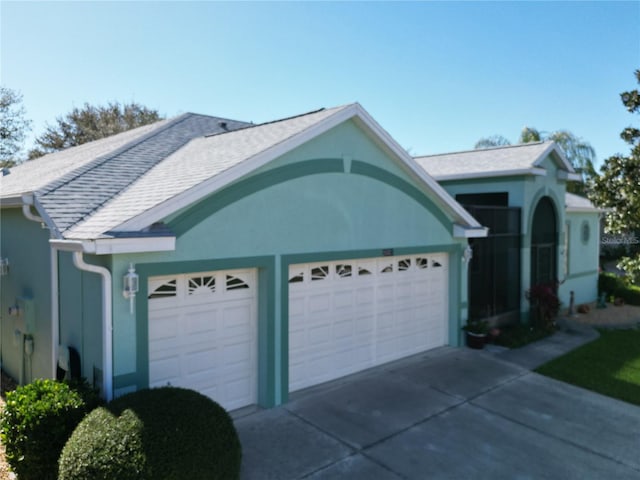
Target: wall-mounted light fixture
[(130, 286), (467, 255), (4, 266)]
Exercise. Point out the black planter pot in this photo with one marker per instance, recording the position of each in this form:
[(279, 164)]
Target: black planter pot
[(476, 340)]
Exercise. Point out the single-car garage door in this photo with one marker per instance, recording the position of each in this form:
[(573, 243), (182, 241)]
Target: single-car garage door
[(202, 334), (346, 316)]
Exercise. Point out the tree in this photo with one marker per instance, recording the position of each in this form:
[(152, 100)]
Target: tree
[(89, 123), (579, 153), (618, 187), (13, 126), (492, 141)]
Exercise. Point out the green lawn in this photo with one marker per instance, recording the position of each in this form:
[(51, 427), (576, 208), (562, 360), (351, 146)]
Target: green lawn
[(609, 365)]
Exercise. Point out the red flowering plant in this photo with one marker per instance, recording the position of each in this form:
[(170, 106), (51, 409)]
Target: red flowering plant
[(545, 304)]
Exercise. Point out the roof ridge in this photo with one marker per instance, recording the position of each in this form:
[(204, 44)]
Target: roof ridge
[(102, 159), (499, 147), (253, 125), (181, 130)]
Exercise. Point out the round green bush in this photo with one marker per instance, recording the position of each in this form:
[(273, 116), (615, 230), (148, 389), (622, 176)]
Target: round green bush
[(161, 434), (37, 421)]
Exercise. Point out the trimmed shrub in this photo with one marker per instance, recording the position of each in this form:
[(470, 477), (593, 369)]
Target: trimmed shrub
[(36, 423), (616, 286), (161, 434)]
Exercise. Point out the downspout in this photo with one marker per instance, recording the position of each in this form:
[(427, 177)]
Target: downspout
[(107, 321), (26, 210), (55, 312)]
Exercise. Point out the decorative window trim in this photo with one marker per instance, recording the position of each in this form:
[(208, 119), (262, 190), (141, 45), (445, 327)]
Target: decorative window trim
[(297, 278), (235, 283), (319, 273), (404, 264), (201, 285), (387, 268), (344, 270), (166, 289), (422, 263)]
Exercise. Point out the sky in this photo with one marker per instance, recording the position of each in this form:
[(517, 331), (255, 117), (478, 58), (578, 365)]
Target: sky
[(437, 76)]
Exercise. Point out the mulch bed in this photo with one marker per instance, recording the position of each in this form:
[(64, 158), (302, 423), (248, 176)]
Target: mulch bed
[(7, 384)]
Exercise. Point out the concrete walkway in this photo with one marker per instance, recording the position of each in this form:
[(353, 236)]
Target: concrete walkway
[(448, 413)]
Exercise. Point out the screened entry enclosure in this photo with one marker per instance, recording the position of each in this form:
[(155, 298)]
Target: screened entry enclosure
[(494, 271)]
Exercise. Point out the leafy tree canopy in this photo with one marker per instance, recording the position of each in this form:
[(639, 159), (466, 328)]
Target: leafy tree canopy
[(13, 126), (618, 186), (89, 123), (579, 153)]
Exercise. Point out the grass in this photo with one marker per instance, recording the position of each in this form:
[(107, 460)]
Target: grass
[(609, 365)]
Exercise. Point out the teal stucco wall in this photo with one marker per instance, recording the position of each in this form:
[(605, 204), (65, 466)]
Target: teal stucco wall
[(80, 315), (524, 192), (337, 196), (582, 267), (25, 244)]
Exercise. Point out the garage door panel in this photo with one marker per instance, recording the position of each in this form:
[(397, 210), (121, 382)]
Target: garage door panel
[(319, 303), (360, 313), (237, 354), (204, 337)]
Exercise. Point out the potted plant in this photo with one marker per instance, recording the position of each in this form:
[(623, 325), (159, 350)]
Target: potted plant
[(476, 333)]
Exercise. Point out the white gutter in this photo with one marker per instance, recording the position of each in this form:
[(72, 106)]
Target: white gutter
[(26, 210), (107, 321)]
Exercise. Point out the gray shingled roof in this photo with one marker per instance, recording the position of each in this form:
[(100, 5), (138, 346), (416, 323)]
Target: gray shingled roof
[(80, 192), (120, 186), (201, 159), (36, 174), (105, 168), (576, 203), (500, 161)]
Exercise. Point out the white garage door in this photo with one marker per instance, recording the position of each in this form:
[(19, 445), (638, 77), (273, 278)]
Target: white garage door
[(350, 315), (203, 334)]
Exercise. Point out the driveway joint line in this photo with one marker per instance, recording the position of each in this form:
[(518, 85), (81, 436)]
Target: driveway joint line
[(555, 437)]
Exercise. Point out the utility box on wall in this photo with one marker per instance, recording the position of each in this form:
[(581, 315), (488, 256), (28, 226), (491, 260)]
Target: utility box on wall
[(24, 314)]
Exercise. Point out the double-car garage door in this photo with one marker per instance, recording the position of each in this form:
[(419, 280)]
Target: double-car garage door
[(350, 315), (344, 316)]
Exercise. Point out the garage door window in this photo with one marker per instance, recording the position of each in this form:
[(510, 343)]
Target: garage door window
[(202, 285), (163, 288)]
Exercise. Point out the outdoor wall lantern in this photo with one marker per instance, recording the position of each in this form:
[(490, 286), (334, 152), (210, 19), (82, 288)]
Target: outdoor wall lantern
[(4, 266), (467, 255), (130, 286)]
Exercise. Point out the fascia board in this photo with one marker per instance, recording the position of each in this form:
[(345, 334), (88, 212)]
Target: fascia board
[(460, 231), (503, 173), (564, 175), (234, 173), (586, 210), (11, 202), (108, 246), (66, 245)]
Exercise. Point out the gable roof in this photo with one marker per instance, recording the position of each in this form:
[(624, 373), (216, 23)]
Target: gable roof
[(121, 187), (35, 174), (578, 204), (522, 159)]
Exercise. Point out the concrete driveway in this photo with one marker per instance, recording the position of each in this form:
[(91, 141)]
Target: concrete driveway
[(449, 413)]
